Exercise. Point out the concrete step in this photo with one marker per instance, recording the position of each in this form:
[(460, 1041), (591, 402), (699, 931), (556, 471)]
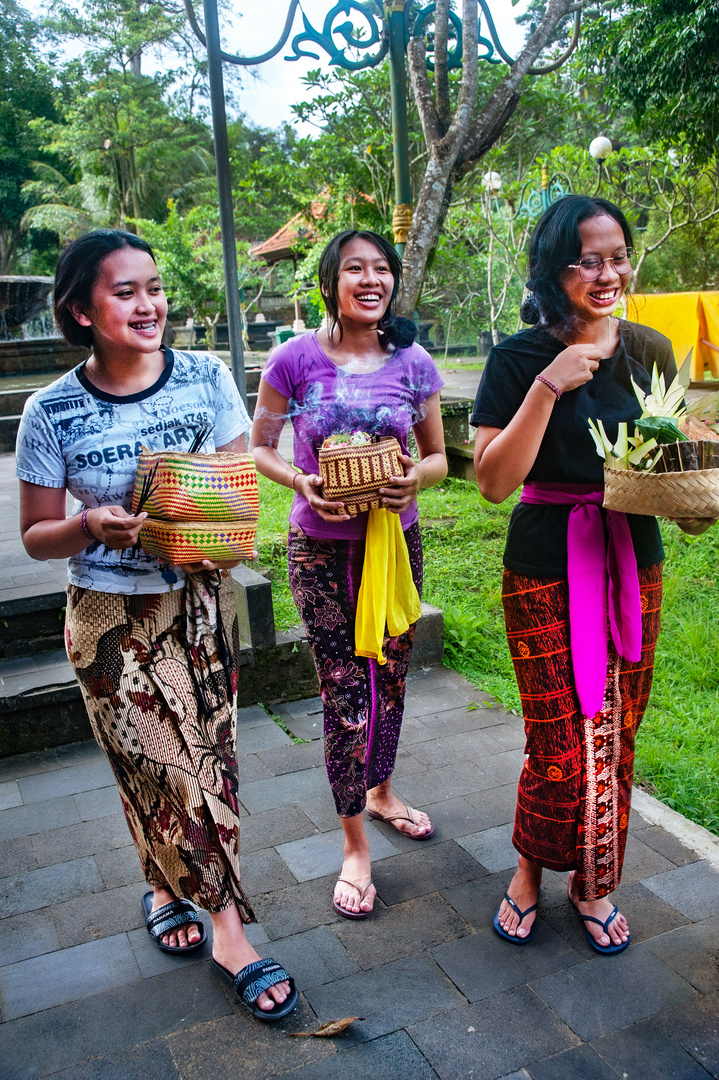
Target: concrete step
[(32, 624)]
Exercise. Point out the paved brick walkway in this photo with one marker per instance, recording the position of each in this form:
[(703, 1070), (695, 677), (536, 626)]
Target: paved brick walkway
[(85, 995)]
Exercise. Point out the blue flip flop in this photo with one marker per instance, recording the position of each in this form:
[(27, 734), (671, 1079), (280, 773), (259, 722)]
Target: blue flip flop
[(607, 950), (249, 983), (522, 914)]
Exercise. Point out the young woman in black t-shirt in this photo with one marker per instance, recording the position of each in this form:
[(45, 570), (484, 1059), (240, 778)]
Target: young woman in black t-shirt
[(583, 696)]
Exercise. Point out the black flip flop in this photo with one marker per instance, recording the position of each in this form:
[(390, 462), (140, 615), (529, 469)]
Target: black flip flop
[(170, 917), (249, 983), (513, 937)]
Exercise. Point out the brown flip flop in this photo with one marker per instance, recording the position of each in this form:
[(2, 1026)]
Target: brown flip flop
[(353, 914), (407, 816)]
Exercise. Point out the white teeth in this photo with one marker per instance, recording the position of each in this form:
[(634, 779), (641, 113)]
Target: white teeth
[(369, 296)]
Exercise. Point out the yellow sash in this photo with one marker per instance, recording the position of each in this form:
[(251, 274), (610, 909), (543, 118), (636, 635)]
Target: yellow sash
[(387, 593)]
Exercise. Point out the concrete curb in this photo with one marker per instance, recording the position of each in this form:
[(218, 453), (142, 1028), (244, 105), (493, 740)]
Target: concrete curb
[(692, 836)]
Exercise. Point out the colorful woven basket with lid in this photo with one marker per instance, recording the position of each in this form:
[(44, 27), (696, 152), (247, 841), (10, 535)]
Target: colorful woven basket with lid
[(198, 487), (354, 474)]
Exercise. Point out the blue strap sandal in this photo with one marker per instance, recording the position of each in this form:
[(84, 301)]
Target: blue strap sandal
[(170, 917), (250, 982), (522, 915), (607, 950)]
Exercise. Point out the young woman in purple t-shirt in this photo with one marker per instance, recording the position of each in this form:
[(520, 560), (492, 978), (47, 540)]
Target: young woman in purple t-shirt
[(362, 372)]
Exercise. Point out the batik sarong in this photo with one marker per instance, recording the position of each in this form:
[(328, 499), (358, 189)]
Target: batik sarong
[(363, 702), (163, 713), (575, 788)]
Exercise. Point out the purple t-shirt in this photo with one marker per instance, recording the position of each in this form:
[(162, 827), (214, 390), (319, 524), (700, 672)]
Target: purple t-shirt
[(325, 400)]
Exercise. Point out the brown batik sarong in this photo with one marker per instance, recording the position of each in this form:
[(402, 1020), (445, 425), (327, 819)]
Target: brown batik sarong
[(169, 734), (575, 788)]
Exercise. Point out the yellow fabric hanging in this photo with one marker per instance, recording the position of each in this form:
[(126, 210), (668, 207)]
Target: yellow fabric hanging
[(387, 595)]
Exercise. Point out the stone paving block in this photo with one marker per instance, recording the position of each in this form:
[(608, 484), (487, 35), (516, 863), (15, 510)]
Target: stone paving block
[(642, 861), (17, 856), (78, 753), (473, 746), (153, 1007), (484, 964), (431, 702), (293, 758), (453, 818), (48, 885), (300, 787), (401, 930), (250, 768), (321, 854), (434, 725), (693, 952), (313, 958), (12, 768), (668, 846), (86, 838), (321, 810), (492, 848), (392, 1057), (691, 889), (37, 817), (60, 977), (38, 1045), (301, 907), (66, 781), (496, 806), (238, 1047), (648, 986), (101, 802), (102, 915), (492, 1037), (644, 1050), (148, 1061), (119, 867), (506, 767), (153, 961), (637, 822), (274, 827), (406, 764), (510, 734), (477, 900), (10, 794), (263, 871), (389, 997), (252, 716), (251, 740), (448, 782), (303, 718), (30, 934), (695, 1026), (579, 1063), (425, 870)]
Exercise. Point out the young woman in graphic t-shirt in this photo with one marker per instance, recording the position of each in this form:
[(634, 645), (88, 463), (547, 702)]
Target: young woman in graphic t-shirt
[(363, 372), (161, 706)]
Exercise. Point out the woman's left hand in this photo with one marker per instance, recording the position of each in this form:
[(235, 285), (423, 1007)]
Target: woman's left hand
[(694, 526), (402, 490), (207, 564)]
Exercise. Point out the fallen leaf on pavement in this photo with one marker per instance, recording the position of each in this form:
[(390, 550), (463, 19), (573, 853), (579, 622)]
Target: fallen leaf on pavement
[(333, 1027)]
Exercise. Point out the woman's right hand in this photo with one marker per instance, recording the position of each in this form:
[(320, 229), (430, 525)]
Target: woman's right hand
[(114, 527), (310, 485), (573, 366)]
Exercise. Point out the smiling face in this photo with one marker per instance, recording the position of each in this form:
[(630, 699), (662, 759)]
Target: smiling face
[(364, 284), (602, 237), (128, 307)]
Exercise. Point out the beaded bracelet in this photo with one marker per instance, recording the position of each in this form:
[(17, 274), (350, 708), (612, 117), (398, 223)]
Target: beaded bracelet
[(293, 481), (83, 524), (541, 378)]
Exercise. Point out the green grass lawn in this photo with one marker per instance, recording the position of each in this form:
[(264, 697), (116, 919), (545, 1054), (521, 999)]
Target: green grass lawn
[(678, 745)]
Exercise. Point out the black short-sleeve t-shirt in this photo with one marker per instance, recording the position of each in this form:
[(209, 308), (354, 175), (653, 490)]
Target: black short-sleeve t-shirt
[(537, 537)]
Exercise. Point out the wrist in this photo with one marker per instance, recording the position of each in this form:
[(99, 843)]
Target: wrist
[(549, 384), (85, 526)]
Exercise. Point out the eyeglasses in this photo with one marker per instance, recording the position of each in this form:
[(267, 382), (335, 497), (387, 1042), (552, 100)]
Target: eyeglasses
[(590, 268)]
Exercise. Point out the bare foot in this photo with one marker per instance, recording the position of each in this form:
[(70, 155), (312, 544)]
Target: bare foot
[(618, 929), (382, 800), (232, 950), (524, 890), (189, 934), (356, 867)]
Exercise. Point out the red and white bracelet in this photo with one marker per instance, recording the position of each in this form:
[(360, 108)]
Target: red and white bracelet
[(83, 524), (555, 389)]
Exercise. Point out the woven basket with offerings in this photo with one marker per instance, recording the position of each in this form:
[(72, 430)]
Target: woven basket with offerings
[(353, 472), (200, 506)]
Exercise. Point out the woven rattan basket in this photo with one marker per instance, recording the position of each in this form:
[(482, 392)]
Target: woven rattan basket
[(692, 494), (354, 474), (199, 487), (178, 542)]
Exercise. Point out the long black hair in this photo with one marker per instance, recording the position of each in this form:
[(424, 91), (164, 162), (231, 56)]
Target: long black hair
[(398, 331), (555, 243), (77, 271)]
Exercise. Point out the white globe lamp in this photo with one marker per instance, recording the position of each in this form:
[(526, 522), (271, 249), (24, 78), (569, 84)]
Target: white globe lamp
[(492, 181), (600, 148)]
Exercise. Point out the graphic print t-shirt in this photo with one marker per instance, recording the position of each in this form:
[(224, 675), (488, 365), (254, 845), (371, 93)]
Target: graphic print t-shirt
[(74, 436)]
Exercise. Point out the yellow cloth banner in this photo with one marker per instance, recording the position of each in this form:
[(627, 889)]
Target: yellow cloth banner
[(388, 596), (689, 320)]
